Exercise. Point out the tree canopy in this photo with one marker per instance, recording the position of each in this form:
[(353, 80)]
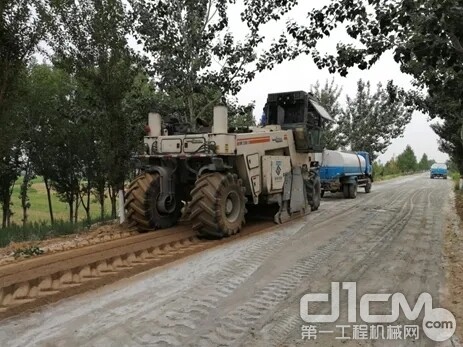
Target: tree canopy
[(329, 95), (369, 121), (425, 37), (406, 161)]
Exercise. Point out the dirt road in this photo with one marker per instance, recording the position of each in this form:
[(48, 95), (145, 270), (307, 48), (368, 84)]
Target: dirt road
[(247, 292)]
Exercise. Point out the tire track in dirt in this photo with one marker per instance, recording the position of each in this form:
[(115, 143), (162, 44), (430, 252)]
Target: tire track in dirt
[(283, 285), (376, 256), (174, 329), (174, 322), (238, 322), (288, 319)]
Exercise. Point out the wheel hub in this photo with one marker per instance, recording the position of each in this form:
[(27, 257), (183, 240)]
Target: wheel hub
[(165, 203), (232, 206), (229, 206)]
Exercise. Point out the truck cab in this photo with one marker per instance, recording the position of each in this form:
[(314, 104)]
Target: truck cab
[(302, 113), (438, 170)]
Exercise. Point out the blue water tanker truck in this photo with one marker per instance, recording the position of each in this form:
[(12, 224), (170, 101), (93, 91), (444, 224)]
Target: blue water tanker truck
[(345, 172), (439, 170)]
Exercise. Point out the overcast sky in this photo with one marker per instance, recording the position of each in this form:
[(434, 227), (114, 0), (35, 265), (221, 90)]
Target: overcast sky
[(302, 72)]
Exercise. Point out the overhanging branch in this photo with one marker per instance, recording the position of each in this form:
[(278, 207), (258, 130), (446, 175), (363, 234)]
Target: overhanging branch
[(456, 43)]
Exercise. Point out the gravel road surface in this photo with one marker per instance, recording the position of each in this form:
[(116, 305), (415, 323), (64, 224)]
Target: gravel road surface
[(247, 293)]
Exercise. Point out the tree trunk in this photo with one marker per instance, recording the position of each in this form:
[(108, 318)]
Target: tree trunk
[(102, 207), (8, 220), (50, 208), (71, 210), (76, 212), (112, 196), (24, 216), (24, 193), (5, 209), (87, 209), (7, 192), (86, 204)]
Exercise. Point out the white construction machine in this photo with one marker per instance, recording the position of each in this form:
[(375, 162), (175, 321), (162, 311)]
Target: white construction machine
[(209, 177)]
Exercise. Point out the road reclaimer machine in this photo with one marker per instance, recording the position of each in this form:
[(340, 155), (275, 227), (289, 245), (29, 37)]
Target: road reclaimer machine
[(209, 176)]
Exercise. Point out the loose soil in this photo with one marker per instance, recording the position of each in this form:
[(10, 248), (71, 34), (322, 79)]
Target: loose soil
[(100, 232), (453, 251)]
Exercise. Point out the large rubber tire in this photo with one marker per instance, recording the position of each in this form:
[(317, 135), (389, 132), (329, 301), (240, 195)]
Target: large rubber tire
[(141, 204), (368, 186), (218, 205), (313, 190), (353, 190), (345, 191)]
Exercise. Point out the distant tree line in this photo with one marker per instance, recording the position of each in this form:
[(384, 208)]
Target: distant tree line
[(405, 163)]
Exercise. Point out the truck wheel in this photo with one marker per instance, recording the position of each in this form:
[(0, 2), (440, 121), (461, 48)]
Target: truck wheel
[(141, 204), (313, 191), (352, 191), (322, 193), (445, 177), (218, 205), (368, 186), (345, 191)]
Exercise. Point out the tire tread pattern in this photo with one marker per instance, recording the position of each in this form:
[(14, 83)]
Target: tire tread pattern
[(206, 214), (137, 205)]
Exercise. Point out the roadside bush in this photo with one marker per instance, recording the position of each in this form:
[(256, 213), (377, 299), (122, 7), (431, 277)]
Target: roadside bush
[(27, 252)]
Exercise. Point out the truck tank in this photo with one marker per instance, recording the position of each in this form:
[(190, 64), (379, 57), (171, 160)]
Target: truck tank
[(336, 164)]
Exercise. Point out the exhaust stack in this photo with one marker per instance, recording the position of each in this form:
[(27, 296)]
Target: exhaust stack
[(220, 125), (154, 123)]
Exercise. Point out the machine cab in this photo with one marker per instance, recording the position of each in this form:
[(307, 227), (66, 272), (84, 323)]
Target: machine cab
[(298, 111)]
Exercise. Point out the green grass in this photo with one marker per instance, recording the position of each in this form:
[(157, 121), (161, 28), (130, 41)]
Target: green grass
[(37, 231), (39, 226), (456, 179), (38, 211)]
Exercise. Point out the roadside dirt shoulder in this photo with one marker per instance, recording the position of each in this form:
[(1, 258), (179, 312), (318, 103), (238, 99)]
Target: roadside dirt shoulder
[(96, 234), (453, 253)]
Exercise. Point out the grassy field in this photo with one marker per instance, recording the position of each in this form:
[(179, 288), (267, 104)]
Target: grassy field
[(39, 226), (39, 205)]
